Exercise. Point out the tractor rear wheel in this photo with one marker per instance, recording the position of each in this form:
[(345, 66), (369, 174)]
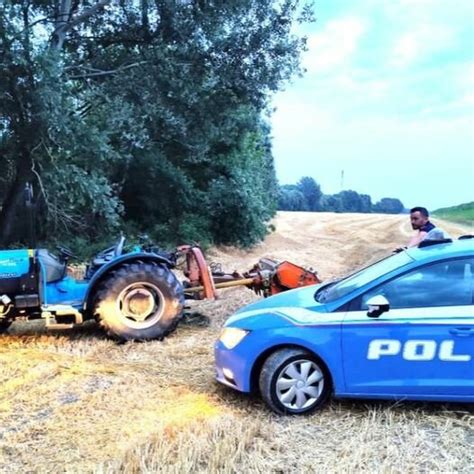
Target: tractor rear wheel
[(139, 301)]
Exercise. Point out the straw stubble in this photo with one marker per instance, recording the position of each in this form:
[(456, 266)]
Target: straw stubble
[(74, 401)]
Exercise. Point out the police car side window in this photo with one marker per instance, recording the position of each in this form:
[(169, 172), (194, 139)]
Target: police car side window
[(447, 283)]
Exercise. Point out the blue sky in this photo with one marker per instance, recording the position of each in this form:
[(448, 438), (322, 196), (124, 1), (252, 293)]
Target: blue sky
[(388, 97)]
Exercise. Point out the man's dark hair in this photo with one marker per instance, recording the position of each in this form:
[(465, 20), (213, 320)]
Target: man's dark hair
[(422, 210)]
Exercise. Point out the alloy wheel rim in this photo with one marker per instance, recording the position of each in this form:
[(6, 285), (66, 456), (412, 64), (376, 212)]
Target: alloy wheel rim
[(299, 384)]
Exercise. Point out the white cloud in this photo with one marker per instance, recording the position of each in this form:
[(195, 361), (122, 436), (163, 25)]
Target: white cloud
[(361, 86), (299, 115), (459, 107), (405, 50), (468, 99), (334, 45), (418, 3), (388, 98), (467, 77), (429, 11), (417, 44), (380, 156)]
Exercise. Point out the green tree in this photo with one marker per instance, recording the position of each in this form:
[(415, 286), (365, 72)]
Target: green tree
[(331, 203), (151, 112), (365, 203), (44, 138), (311, 192), (350, 201), (389, 206), (290, 198), (239, 198)]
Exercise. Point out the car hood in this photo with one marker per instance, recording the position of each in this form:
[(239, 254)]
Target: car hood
[(294, 307), (298, 297)]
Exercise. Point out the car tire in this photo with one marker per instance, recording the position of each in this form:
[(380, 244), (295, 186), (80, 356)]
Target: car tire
[(139, 301), (294, 382)]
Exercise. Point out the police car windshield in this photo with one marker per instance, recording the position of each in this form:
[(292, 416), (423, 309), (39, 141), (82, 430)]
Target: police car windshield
[(357, 280)]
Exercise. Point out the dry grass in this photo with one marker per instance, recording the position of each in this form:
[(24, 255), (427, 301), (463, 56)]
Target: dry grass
[(77, 402)]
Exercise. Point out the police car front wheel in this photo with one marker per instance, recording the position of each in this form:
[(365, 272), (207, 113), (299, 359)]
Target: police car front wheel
[(293, 381)]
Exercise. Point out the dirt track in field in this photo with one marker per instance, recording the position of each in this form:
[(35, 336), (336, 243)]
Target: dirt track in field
[(75, 401), (331, 243)]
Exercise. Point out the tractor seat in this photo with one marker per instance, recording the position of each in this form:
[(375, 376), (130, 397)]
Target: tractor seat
[(55, 269)]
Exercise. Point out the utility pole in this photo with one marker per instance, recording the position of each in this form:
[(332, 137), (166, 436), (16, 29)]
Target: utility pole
[(342, 180)]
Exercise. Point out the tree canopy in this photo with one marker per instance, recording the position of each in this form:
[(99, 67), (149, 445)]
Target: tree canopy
[(148, 115), (306, 195)]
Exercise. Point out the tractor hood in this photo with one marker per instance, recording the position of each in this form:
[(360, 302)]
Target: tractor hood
[(14, 263)]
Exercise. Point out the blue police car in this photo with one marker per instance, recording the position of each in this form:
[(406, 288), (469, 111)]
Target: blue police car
[(402, 328)]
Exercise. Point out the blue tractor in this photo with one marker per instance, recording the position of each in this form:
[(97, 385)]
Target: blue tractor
[(133, 295)]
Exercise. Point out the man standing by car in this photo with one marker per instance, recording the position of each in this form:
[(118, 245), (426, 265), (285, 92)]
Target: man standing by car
[(419, 218)]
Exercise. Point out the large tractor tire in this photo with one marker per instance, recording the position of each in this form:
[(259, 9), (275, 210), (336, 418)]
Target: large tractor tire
[(139, 301)]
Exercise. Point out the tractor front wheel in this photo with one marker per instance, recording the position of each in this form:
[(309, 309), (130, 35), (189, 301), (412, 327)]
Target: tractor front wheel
[(139, 301)]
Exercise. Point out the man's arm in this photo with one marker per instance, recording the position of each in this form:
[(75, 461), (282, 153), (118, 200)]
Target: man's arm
[(417, 239)]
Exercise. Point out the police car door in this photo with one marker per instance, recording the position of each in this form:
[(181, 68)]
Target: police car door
[(423, 343)]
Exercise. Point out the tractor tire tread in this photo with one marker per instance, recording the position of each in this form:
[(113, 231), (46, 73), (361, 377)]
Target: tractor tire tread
[(120, 278)]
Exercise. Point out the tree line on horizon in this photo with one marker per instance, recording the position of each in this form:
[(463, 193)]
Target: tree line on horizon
[(306, 195)]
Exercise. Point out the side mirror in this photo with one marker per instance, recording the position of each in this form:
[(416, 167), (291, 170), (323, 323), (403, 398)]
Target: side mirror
[(378, 304)]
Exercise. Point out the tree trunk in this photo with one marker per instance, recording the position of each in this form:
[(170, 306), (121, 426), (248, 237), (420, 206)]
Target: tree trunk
[(13, 201), (65, 21)]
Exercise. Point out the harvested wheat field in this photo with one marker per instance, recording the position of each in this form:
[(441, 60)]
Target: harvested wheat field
[(77, 402)]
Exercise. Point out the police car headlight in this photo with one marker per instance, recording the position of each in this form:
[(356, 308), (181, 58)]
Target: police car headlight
[(230, 337)]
